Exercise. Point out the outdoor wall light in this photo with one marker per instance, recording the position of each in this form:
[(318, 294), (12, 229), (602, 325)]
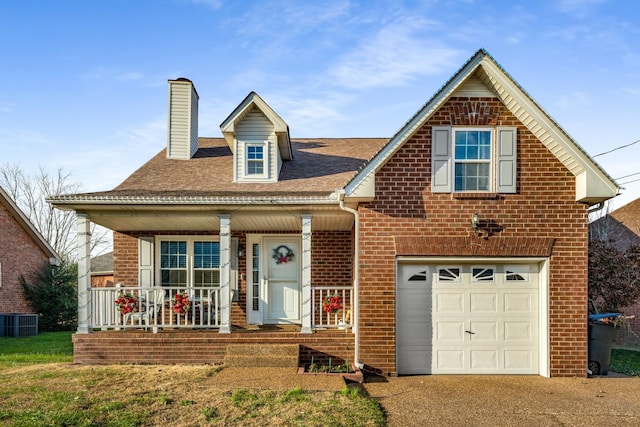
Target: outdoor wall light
[(240, 250), (475, 221)]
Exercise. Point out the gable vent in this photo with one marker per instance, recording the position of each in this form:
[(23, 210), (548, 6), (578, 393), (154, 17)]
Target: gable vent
[(182, 132)]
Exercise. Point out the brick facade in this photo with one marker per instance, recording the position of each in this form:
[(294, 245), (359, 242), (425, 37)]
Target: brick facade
[(19, 256), (543, 207)]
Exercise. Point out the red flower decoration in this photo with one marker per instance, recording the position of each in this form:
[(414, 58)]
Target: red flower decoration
[(332, 304), (181, 305)]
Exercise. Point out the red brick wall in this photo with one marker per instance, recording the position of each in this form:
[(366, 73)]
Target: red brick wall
[(19, 256), (544, 206), (332, 262)]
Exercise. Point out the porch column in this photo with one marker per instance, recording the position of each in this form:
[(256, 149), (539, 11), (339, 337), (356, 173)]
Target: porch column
[(306, 274), (225, 274), (84, 273)]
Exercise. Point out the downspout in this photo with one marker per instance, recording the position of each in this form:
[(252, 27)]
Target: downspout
[(596, 209), (356, 262)]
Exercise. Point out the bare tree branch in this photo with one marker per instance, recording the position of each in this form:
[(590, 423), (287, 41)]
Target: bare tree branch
[(56, 226)]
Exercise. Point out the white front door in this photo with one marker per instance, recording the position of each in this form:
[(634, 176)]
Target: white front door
[(281, 290)]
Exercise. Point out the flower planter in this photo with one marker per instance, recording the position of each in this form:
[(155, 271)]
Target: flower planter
[(355, 374)]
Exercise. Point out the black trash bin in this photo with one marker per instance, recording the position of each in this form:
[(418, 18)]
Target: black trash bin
[(602, 333)]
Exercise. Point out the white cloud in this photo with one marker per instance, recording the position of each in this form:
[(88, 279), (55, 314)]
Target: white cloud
[(397, 54)]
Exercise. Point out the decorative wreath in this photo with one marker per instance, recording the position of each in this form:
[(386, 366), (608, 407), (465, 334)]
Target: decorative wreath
[(282, 254)]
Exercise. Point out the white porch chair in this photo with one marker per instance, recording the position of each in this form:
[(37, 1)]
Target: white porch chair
[(151, 312)]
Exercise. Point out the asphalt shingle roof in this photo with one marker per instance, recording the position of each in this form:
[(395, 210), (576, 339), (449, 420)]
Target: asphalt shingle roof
[(319, 167)]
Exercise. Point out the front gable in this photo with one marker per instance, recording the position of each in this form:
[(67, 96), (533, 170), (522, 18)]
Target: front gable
[(482, 78)]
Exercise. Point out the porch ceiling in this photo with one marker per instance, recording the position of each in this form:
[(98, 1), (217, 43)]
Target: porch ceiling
[(278, 219)]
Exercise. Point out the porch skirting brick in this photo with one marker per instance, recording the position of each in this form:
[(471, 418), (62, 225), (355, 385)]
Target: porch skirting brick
[(200, 347)]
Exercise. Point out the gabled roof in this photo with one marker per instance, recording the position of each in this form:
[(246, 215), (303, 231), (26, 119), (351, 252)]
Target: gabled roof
[(593, 184), (280, 127), (27, 225)]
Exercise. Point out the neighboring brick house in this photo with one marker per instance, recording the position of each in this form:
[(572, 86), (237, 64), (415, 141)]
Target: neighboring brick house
[(102, 271), (621, 229), (23, 251), (458, 246)]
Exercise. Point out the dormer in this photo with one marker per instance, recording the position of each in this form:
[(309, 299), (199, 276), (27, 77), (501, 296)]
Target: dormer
[(259, 140)]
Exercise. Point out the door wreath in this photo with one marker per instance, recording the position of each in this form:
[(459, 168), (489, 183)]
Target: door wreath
[(282, 254)]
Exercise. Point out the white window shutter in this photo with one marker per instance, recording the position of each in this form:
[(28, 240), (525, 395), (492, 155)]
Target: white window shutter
[(441, 159), (145, 261), (507, 158)]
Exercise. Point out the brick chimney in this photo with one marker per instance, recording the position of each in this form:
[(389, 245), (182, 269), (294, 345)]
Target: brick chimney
[(182, 131)]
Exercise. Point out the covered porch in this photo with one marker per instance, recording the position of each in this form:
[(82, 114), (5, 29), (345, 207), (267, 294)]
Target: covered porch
[(285, 274)]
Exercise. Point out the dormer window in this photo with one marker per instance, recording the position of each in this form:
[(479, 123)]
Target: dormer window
[(255, 159)]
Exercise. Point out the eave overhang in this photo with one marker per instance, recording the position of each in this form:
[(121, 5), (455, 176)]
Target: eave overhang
[(202, 213)]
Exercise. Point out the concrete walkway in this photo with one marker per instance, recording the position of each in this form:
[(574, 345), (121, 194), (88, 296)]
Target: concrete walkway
[(508, 401)]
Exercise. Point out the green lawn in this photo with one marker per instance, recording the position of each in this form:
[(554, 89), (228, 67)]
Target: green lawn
[(625, 362), (47, 347), (61, 393)]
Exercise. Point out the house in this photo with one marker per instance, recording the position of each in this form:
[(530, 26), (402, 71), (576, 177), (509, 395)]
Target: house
[(621, 229), (102, 270), (458, 246), (23, 251)]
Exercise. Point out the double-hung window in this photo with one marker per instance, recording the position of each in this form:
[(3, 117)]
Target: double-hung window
[(478, 160), (189, 262), (472, 159), (255, 160)]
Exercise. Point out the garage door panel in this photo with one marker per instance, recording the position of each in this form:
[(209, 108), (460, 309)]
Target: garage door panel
[(467, 325), (484, 331), (518, 302), (450, 331), (483, 302), (519, 360), (449, 303), (517, 331), (449, 360), (483, 359)]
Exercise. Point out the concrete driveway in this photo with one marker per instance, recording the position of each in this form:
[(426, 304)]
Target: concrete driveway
[(443, 400)]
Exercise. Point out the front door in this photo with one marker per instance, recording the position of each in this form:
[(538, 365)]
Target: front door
[(281, 291)]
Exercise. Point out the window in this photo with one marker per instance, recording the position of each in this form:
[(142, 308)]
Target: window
[(465, 159), (483, 274), (472, 160), (255, 159), (189, 262), (448, 274), (517, 273)]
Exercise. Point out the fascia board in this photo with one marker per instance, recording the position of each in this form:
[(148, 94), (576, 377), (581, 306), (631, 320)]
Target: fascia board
[(541, 118), (414, 124)]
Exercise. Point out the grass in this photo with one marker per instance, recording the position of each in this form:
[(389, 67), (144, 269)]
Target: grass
[(60, 393), (46, 347), (625, 362)]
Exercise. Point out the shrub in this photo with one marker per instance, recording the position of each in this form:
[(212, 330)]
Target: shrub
[(53, 293), (614, 276)]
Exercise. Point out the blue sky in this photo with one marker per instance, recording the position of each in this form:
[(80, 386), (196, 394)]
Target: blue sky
[(83, 84)]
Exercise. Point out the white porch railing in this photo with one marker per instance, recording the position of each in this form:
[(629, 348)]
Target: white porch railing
[(322, 316), (154, 307)]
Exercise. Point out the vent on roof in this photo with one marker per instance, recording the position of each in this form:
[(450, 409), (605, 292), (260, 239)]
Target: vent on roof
[(182, 132)]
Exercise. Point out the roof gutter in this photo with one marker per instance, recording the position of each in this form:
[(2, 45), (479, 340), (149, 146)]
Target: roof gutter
[(356, 276)]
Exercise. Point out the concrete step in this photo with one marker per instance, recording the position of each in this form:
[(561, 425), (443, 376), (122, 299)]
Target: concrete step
[(263, 355)]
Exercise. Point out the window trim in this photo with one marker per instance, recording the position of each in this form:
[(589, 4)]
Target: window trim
[(190, 267), (491, 161), (265, 160)]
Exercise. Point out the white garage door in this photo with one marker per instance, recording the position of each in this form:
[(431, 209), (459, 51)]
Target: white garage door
[(467, 319)]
